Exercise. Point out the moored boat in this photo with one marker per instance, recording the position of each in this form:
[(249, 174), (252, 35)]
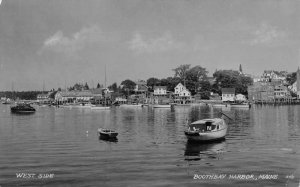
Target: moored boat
[(100, 107), (131, 105), (107, 133), (240, 105), (161, 106), (22, 108), (207, 130)]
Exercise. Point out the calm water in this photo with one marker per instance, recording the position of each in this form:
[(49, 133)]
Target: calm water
[(151, 149)]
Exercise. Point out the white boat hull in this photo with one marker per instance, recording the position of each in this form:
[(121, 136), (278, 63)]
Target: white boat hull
[(161, 106), (100, 108), (126, 105)]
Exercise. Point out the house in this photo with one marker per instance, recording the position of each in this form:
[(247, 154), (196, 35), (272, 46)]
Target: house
[(274, 76), (228, 94), (73, 96), (44, 98), (160, 91), (185, 93), (281, 92), (179, 88), (181, 94), (141, 86), (240, 97)]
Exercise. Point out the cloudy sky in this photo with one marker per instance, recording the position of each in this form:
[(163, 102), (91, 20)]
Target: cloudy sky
[(68, 41)]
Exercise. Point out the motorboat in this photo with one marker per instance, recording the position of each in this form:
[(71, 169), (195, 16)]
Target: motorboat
[(22, 108), (107, 133), (207, 130)]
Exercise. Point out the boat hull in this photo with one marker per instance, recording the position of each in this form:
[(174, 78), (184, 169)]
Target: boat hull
[(129, 105), (22, 109), (100, 108), (240, 106), (161, 106), (107, 134), (22, 112), (206, 136)]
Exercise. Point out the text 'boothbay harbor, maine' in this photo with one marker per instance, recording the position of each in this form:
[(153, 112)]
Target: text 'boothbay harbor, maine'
[(149, 93)]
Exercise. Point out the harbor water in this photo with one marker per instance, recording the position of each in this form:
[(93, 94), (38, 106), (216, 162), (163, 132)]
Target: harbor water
[(60, 147)]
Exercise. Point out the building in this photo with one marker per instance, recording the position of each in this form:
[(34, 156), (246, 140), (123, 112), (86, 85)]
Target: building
[(182, 94), (228, 94), (44, 98), (261, 91), (160, 91), (178, 89), (74, 96), (141, 87), (240, 97), (281, 92), (274, 76)]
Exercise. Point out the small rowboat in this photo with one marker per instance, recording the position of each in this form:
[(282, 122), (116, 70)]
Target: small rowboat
[(207, 130), (107, 134)]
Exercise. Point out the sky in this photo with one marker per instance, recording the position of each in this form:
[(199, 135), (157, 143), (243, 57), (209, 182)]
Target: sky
[(47, 44)]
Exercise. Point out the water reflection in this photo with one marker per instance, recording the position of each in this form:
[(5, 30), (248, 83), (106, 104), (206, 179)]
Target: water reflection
[(195, 151)]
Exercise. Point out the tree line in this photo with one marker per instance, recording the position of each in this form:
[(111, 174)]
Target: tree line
[(196, 80)]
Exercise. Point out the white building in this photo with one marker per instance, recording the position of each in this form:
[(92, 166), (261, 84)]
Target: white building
[(179, 88), (160, 91), (185, 93), (73, 96), (228, 94), (240, 97), (181, 91)]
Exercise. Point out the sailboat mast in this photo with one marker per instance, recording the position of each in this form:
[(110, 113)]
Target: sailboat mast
[(105, 84), (105, 75)]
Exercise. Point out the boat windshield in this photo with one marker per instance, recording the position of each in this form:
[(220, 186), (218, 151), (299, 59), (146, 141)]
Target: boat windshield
[(203, 127)]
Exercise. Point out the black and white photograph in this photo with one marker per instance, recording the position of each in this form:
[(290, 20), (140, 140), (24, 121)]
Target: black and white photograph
[(150, 93)]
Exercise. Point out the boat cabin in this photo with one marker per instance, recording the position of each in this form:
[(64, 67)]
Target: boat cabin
[(207, 125)]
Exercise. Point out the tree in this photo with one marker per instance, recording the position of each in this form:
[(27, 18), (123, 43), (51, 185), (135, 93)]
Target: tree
[(231, 79), (194, 76), (86, 86), (291, 78), (128, 84), (113, 87), (172, 83), (151, 82), (240, 69), (181, 72), (98, 85)]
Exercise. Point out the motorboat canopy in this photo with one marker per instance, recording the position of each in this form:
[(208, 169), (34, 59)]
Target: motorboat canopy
[(207, 125)]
